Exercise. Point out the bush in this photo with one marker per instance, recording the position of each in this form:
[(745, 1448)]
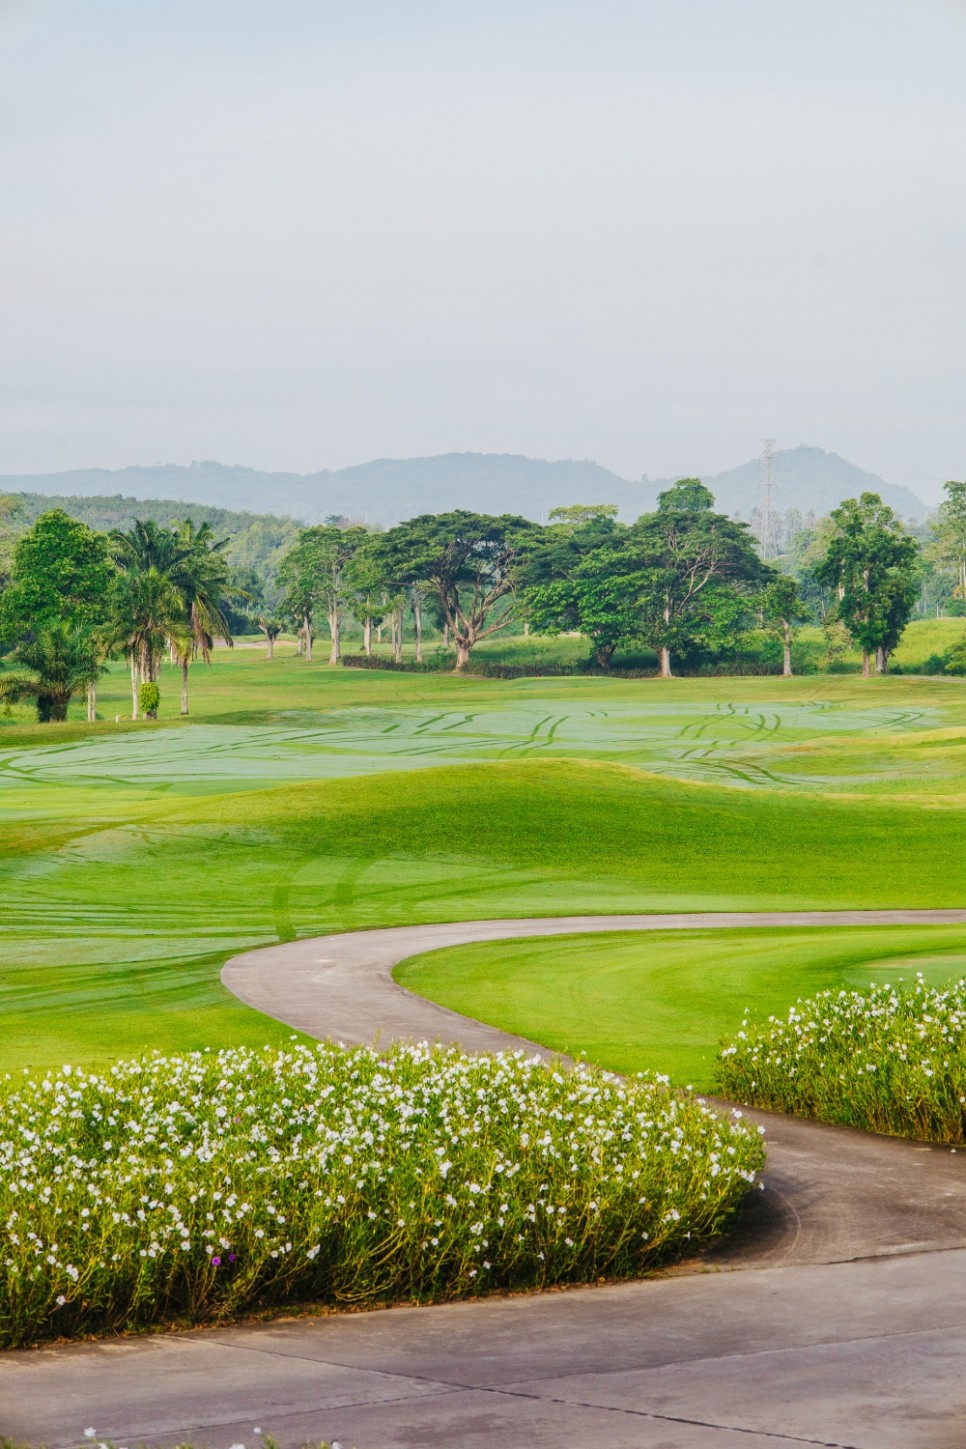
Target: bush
[(887, 1060), (149, 697), (193, 1188)]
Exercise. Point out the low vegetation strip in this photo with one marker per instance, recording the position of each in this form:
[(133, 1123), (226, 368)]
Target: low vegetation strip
[(887, 1059), (187, 1189)]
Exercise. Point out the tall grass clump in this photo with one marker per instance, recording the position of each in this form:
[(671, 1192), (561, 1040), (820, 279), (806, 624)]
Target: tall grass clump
[(887, 1059), (192, 1188)]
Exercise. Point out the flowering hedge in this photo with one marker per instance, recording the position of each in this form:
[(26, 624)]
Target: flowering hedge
[(193, 1188), (887, 1059)]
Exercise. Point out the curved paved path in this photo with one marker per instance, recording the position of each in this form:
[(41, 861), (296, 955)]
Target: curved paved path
[(850, 1332)]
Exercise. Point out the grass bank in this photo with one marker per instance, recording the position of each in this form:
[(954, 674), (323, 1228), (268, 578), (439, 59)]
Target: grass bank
[(666, 1000)]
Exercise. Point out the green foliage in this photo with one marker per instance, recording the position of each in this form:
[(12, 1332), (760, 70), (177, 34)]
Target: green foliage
[(885, 1059), (581, 576), (948, 544), (872, 564), (149, 698), (470, 562), (61, 571), (198, 1188), (695, 565), (63, 658)]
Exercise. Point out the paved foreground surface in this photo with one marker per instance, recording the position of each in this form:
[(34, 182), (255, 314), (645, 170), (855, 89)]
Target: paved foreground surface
[(847, 1326)]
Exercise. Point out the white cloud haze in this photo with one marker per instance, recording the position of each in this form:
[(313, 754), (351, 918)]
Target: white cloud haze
[(311, 233)]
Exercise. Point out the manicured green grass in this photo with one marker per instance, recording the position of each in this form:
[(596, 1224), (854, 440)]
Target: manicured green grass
[(664, 1001), (300, 799)]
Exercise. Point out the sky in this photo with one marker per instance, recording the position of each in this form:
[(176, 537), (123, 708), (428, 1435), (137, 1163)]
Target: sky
[(315, 232)]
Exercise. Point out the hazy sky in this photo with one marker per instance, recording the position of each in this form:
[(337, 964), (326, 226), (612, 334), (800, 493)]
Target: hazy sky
[(306, 233)]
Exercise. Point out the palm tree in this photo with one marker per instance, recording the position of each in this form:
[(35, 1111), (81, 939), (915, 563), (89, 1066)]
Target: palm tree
[(200, 576), (147, 612), (64, 659), (190, 561)]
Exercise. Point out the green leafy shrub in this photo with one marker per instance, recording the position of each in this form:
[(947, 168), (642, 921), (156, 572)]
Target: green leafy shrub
[(192, 1188), (149, 697), (887, 1060)]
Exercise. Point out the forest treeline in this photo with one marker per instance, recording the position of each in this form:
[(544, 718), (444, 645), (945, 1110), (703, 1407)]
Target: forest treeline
[(684, 581)]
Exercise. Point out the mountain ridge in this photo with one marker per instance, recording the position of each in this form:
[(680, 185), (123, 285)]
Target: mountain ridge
[(386, 490)]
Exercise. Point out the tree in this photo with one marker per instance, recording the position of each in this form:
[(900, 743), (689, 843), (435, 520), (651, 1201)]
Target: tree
[(692, 563), (368, 586), (948, 546), (872, 563), (201, 579), (470, 562), (271, 628), (63, 658), (581, 576), (10, 512), (147, 612), (781, 608), (61, 570), (313, 574)]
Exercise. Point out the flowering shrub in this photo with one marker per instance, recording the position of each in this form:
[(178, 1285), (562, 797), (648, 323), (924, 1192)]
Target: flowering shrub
[(191, 1188), (887, 1059)]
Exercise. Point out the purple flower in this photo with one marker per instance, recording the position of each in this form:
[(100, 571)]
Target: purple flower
[(216, 1262), (231, 1257)]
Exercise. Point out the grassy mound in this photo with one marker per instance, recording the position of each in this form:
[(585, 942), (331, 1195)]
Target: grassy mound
[(665, 999), (887, 1059), (195, 1188)]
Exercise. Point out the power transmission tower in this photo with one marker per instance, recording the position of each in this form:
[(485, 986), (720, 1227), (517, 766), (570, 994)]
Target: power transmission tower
[(766, 511)]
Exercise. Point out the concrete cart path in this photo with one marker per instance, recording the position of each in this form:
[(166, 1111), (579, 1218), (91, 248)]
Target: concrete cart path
[(847, 1326)]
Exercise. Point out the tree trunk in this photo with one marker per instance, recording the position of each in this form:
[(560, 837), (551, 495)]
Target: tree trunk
[(307, 634), (526, 628), (787, 647), (299, 644), (665, 657), (397, 635), (378, 633), (367, 636), (445, 636), (92, 702), (418, 627), (881, 659), (134, 685), (463, 647), (269, 645), (604, 653), (184, 685), (865, 663), (335, 629)]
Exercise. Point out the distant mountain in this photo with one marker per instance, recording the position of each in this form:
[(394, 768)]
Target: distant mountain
[(806, 478), (389, 489), (384, 491)]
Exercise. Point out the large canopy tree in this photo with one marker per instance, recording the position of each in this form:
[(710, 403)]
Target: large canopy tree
[(61, 571), (873, 565), (581, 576), (692, 564), (470, 562)]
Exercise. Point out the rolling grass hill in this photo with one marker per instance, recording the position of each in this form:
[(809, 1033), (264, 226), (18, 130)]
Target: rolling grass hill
[(299, 800)]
